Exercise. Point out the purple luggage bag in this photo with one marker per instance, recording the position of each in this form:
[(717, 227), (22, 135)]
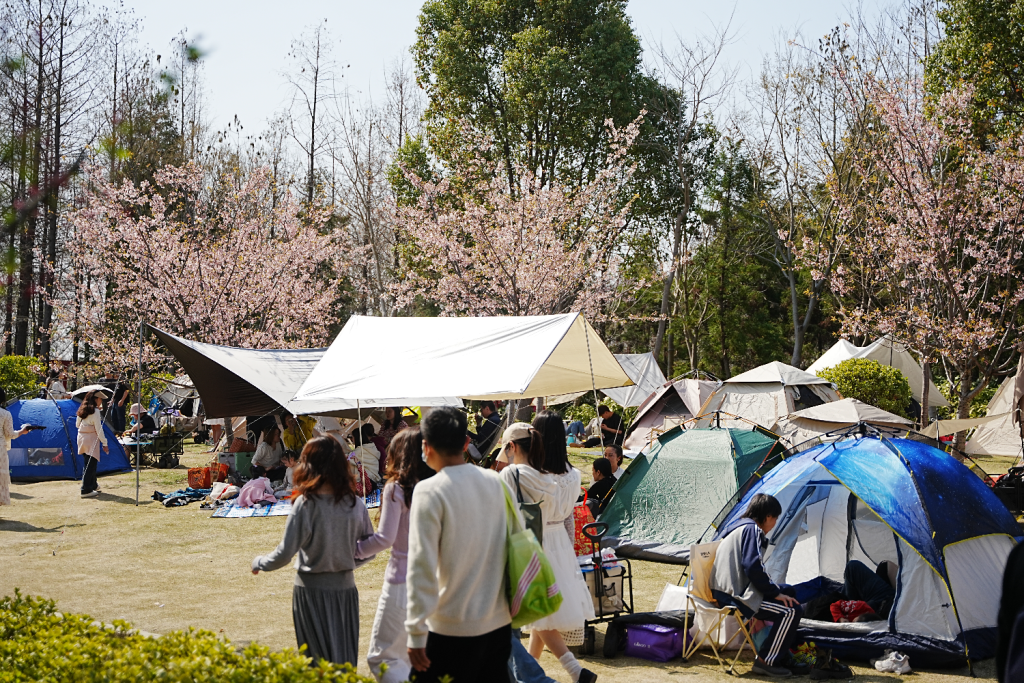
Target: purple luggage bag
[(653, 641)]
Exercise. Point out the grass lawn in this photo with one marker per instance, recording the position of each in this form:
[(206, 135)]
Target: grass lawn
[(165, 569)]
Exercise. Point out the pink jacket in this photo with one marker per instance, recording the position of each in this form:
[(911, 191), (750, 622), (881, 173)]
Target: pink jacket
[(255, 491)]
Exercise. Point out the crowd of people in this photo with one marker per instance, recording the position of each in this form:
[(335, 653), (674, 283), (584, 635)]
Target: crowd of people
[(438, 615)]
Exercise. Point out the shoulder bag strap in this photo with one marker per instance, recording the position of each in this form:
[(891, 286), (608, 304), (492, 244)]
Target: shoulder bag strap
[(519, 491)]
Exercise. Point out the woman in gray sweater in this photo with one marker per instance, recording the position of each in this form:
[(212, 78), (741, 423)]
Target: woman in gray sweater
[(326, 522)]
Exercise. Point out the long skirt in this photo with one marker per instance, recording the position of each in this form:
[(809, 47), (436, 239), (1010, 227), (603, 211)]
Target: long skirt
[(325, 609), (388, 640)]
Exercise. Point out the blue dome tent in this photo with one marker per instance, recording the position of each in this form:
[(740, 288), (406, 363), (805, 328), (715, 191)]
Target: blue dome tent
[(51, 453), (876, 499)]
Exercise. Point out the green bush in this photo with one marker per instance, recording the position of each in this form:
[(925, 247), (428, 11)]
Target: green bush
[(19, 376), (871, 382), (38, 644)]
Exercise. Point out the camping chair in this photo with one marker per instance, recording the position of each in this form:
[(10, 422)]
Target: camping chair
[(708, 617)]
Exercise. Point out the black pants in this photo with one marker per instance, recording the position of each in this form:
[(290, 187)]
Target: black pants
[(474, 659), (863, 584), (89, 478), (785, 621)]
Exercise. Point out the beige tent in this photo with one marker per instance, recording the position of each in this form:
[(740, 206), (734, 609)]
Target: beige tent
[(672, 404), (377, 360), (766, 394), (808, 427), (888, 353), (999, 436)]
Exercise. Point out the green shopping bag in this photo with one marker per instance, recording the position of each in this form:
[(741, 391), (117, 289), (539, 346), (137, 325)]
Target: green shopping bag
[(532, 589)]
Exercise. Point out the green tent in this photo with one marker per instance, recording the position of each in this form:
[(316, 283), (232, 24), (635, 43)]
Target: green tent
[(667, 498)]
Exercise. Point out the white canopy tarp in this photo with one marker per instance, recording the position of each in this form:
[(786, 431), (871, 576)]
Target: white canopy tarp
[(647, 378), (376, 359), (1000, 436), (886, 352), (642, 369), (941, 428)]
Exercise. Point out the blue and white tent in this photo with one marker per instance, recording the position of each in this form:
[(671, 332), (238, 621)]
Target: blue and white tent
[(878, 499), (51, 453)]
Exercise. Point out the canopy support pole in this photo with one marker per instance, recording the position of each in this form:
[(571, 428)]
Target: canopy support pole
[(593, 383), (138, 436)]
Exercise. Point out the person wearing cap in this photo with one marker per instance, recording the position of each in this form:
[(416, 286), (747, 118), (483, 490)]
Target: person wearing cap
[(531, 482), (142, 421)]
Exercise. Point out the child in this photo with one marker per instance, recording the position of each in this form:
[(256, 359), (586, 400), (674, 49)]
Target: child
[(388, 639), (284, 491), (738, 577), (323, 527)]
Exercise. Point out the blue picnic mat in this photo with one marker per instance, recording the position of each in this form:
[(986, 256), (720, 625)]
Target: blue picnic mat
[(278, 509)]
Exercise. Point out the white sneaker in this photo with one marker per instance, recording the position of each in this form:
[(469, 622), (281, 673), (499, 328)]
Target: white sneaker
[(91, 494), (900, 663)]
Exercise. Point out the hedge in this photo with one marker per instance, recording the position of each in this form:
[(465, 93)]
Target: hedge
[(39, 644), (871, 382)]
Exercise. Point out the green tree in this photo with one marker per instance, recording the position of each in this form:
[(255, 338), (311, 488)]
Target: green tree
[(871, 382), (538, 78), (19, 376), (983, 46)]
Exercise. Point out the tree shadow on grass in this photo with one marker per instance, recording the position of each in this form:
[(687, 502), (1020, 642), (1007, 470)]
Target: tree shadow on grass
[(21, 496), (25, 527)]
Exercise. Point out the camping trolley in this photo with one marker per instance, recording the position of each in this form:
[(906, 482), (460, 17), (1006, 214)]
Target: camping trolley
[(610, 583)]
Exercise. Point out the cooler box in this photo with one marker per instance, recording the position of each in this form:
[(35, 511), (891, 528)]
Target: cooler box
[(243, 464), (654, 642)]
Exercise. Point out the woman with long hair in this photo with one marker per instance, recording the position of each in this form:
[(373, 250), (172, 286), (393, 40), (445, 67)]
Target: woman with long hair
[(7, 434), (534, 476), (323, 527), (91, 439), (393, 423), (388, 639)]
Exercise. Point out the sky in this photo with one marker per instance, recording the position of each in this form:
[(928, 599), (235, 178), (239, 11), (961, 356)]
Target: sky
[(246, 41)]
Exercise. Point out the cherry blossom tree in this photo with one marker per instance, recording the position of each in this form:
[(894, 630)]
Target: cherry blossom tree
[(480, 246), (942, 238), (228, 267)]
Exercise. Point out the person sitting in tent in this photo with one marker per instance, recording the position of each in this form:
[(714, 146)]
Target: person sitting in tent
[(296, 431), (268, 453), (612, 430), (142, 421), (366, 454), (864, 595), (600, 491), (487, 427), (738, 577)]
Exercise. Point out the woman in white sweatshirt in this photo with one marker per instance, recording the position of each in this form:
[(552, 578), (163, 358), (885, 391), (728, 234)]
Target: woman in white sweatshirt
[(529, 478), (91, 439)]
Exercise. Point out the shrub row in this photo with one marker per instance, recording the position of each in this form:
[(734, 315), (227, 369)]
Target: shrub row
[(39, 644)]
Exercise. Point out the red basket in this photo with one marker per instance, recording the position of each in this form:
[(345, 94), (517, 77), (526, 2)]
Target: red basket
[(218, 471), (199, 477)]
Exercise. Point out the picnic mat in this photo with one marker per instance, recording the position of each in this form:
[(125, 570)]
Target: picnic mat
[(278, 509)]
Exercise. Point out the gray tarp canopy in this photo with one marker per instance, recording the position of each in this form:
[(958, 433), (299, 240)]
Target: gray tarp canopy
[(235, 381)]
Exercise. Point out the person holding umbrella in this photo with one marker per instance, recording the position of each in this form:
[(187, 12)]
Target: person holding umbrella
[(91, 439)]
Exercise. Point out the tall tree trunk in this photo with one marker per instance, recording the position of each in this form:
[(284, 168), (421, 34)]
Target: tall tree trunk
[(27, 270), (926, 372), (666, 291), (53, 202)]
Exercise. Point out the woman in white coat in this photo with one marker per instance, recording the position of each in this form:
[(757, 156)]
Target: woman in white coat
[(7, 434), (556, 492), (91, 439)]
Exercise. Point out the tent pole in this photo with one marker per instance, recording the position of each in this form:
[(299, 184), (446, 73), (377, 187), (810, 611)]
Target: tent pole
[(593, 384), (138, 436)]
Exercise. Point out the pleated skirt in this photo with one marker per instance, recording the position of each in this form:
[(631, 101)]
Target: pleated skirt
[(325, 609)]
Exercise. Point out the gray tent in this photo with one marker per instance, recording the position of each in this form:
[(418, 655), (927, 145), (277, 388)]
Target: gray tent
[(670, 405), (811, 426)]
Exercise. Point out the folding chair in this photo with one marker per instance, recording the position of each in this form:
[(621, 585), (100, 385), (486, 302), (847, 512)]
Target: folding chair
[(708, 617)]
